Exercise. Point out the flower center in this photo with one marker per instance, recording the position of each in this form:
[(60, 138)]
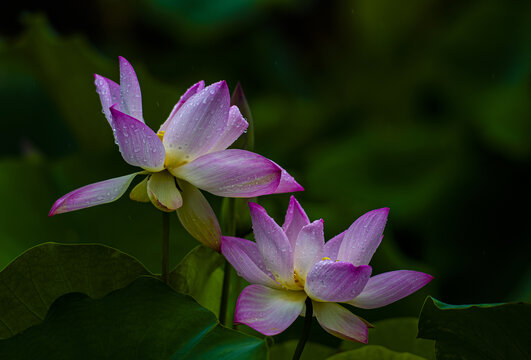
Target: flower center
[(169, 162)]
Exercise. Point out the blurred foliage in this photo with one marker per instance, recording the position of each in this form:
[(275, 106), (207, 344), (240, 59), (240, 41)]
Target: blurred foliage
[(422, 106), (374, 352)]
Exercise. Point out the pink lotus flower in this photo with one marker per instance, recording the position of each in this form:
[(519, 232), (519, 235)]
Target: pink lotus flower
[(189, 152), (290, 263)]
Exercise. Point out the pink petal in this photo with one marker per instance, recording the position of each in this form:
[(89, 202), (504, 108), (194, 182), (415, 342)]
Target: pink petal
[(287, 182), (336, 280), (187, 95), (295, 220), (269, 311), (331, 247), (139, 145), (163, 192), (130, 91), (197, 125), (197, 216), (308, 248), (247, 260), (91, 195), (231, 173), (386, 288), (236, 126), (273, 245), (340, 322), (109, 93), (363, 237)]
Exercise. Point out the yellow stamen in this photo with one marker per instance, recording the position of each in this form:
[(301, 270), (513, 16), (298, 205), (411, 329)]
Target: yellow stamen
[(160, 134), (326, 258)]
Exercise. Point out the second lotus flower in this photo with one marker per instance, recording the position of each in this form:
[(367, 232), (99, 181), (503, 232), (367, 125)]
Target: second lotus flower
[(189, 152), (288, 264)]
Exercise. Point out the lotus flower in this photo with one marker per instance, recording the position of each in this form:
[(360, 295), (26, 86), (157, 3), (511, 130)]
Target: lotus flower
[(290, 263), (189, 152)]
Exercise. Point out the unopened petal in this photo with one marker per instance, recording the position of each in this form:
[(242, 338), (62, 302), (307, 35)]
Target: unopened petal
[(163, 191), (187, 95), (336, 281), (236, 126), (340, 322), (109, 93), (231, 173), (91, 195), (386, 288), (331, 247), (197, 125), (245, 257), (139, 145), (273, 245), (130, 91), (363, 237), (140, 192), (268, 311), (308, 248), (197, 216)]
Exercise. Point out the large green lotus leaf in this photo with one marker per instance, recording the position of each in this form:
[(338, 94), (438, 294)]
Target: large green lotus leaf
[(312, 351), (374, 352), (34, 280), (398, 334), (486, 331), (145, 320)]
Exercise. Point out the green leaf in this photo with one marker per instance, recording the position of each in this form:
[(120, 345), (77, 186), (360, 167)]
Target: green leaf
[(485, 331), (200, 275), (145, 320), (398, 334), (312, 351), (34, 280), (374, 352)]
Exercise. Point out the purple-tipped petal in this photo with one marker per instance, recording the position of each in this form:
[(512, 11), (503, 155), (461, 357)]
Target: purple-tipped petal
[(197, 216), (187, 95), (340, 322), (139, 145), (109, 93), (163, 192), (287, 182), (308, 248), (91, 195), (274, 246), (231, 173), (363, 237), (131, 103), (386, 288), (295, 220), (245, 257), (268, 311), (336, 281), (236, 126), (197, 125), (331, 247)]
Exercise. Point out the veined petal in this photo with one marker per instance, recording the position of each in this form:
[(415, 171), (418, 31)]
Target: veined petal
[(336, 281), (109, 93), (91, 195), (197, 216), (274, 246), (268, 311), (363, 237), (139, 145), (163, 191), (295, 220), (386, 288), (331, 247), (308, 248), (131, 103), (187, 95), (340, 322), (197, 125), (236, 126), (140, 191), (245, 257), (231, 173), (287, 182)]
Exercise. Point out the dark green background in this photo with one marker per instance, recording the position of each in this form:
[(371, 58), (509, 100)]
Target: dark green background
[(422, 106)]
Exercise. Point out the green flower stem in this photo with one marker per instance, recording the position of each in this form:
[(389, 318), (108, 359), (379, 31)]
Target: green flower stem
[(305, 330), (165, 246), (230, 230)]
